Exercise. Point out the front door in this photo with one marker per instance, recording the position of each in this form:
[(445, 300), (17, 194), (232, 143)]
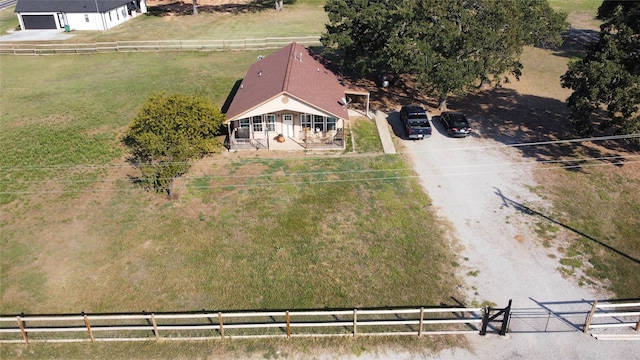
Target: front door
[(287, 125)]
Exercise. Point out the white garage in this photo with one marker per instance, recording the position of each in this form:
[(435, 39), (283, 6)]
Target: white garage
[(76, 14)]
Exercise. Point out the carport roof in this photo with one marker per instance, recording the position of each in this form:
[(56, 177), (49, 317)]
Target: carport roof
[(70, 6)]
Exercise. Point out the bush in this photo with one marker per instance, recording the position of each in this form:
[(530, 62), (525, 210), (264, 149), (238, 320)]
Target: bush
[(170, 131)]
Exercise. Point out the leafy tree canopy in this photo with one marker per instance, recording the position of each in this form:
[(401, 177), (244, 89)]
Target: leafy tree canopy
[(449, 46), (609, 10), (168, 132), (609, 75)]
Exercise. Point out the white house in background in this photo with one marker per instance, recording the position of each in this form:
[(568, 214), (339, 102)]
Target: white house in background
[(76, 14)]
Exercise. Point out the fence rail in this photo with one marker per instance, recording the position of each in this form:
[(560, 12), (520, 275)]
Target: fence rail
[(221, 325), (156, 45), (611, 316)]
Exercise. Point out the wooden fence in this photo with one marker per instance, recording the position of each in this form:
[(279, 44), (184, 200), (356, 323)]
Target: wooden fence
[(157, 45), (611, 316), (222, 325)]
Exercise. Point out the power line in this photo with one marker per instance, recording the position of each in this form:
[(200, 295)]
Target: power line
[(313, 182), (342, 156), (329, 173), (537, 143)]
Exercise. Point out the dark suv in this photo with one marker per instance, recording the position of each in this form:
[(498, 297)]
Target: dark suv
[(416, 122), (456, 123)]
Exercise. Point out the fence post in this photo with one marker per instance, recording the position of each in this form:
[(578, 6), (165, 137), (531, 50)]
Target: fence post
[(485, 321), (355, 322), (505, 319), (288, 324), (638, 325), (86, 323), (24, 333), (221, 328), (421, 321), (587, 323), (155, 326)]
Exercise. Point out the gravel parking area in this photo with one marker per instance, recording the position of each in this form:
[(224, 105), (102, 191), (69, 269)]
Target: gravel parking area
[(476, 185)]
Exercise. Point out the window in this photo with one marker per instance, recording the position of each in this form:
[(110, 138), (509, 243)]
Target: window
[(257, 123), (305, 121), (110, 19), (331, 123), (271, 122), (86, 17), (318, 123), (244, 123)]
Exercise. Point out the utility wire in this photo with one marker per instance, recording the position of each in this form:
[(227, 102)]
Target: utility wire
[(329, 173), (312, 182), (342, 156)]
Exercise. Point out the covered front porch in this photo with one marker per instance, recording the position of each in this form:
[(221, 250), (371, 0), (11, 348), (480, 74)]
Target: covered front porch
[(286, 131)]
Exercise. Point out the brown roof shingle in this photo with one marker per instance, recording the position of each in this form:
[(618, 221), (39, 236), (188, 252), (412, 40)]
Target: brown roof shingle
[(293, 70)]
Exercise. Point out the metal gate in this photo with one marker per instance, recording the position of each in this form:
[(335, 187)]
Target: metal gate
[(500, 316)]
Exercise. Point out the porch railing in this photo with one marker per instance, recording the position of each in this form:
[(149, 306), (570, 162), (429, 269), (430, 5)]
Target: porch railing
[(332, 139), (247, 144), (322, 139)]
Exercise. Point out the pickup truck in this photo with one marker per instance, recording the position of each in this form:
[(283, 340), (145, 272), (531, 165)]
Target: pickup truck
[(416, 122)]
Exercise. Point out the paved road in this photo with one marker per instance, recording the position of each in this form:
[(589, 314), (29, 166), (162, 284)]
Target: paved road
[(7, 3)]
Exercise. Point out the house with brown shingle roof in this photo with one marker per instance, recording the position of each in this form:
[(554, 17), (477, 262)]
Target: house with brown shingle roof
[(290, 97)]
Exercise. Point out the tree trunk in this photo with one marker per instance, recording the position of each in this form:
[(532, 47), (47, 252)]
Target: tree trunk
[(442, 103), (485, 84), (195, 7), (170, 189)]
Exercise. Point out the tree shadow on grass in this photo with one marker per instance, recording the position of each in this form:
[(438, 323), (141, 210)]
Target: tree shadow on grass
[(183, 8), (575, 42)]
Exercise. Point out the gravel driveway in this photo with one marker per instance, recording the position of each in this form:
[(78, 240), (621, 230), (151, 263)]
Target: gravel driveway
[(476, 185)]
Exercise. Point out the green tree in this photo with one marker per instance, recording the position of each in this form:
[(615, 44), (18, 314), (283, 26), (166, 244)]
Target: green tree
[(449, 46), (608, 76), (168, 132)]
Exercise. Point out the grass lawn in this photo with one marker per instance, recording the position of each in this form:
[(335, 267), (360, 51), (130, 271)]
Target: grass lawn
[(303, 18), (248, 231), (8, 20), (601, 202), (581, 13)]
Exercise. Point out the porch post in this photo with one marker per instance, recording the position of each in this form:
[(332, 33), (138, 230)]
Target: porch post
[(368, 94)]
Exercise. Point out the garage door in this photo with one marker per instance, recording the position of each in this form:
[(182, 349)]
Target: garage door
[(33, 22)]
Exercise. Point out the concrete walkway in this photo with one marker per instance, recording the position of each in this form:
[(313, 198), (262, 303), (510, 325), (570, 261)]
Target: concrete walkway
[(383, 130)]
